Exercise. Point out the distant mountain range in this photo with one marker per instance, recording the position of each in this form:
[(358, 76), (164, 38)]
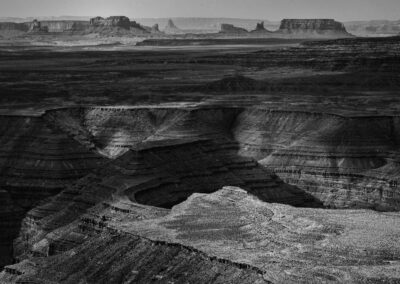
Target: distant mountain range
[(360, 28)]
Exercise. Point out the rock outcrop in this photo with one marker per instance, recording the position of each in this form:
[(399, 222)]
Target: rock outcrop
[(155, 29), (260, 28), (313, 27), (342, 161), (36, 161), (120, 25), (231, 29), (225, 237), (36, 27), (65, 26), (9, 29), (114, 21), (171, 28)]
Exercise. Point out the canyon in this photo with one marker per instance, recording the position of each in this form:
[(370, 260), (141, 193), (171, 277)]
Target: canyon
[(276, 162)]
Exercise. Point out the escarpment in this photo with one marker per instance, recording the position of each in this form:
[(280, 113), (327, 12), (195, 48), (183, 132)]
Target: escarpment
[(343, 161), (158, 157), (36, 161), (316, 27)]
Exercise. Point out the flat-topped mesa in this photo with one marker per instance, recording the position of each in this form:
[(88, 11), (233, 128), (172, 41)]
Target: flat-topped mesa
[(317, 27), (113, 21), (10, 26), (228, 28)]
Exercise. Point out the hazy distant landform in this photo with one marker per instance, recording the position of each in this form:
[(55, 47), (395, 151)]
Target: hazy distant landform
[(210, 25)]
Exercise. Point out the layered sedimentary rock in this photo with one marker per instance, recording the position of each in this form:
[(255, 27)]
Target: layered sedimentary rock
[(4, 26), (114, 21), (8, 29), (115, 24), (313, 27), (36, 161), (343, 161), (65, 26), (228, 28), (226, 237), (159, 156)]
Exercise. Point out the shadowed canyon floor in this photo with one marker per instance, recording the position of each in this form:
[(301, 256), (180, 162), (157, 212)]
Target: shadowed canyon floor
[(258, 164)]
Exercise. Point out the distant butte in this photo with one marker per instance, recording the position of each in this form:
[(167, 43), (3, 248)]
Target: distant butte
[(313, 27)]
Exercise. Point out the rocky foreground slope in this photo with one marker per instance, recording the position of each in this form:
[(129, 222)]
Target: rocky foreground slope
[(229, 236), (116, 167)]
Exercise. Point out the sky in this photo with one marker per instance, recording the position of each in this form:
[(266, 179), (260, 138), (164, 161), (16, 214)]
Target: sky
[(274, 10)]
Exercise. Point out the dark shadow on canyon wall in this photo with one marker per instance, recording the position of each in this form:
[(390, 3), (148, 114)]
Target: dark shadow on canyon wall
[(205, 167)]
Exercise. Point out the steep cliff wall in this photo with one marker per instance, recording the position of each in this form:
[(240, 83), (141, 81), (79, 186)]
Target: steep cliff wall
[(13, 29), (64, 26), (36, 161), (312, 27), (343, 161)]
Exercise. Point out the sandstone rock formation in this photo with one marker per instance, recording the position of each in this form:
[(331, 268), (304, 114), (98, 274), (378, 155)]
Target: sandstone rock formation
[(231, 29), (116, 25), (225, 237), (343, 161), (65, 26), (260, 28), (9, 29), (37, 161), (171, 28), (113, 21), (155, 29), (312, 27), (36, 27)]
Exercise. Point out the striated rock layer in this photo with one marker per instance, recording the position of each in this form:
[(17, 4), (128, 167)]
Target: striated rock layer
[(225, 237), (161, 155), (327, 27), (36, 161), (342, 161)]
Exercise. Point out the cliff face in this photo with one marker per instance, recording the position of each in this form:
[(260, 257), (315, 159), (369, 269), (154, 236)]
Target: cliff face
[(115, 25), (64, 26), (327, 27), (343, 161), (36, 162), (114, 21), (14, 26), (13, 29), (260, 28)]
